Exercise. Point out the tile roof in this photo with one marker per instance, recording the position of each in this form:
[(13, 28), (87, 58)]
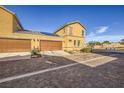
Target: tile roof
[(49, 34)]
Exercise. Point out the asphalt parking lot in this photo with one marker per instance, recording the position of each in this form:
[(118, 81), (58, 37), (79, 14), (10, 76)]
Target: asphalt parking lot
[(64, 72)]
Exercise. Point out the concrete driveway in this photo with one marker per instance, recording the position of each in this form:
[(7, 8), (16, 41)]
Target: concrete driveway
[(79, 70)]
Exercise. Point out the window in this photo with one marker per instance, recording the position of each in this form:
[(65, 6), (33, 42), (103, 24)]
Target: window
[(70, 30), (70, 40), (78, 43), (74, 42), (82, 33), (64, 31)]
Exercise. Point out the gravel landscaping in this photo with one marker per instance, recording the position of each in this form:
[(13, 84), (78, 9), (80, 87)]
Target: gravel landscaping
[(79, 76), (17, 67)]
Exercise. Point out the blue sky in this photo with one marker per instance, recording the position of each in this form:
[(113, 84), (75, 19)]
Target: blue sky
[(102, 22)]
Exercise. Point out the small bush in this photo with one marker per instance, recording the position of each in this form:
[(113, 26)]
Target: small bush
[(70, 52), (35, 52), (86, 50)]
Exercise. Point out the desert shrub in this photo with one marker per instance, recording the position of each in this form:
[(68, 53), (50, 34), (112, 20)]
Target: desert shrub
[(122, 43), (35, 52), (93, 43), (70, 52), (86, 50)]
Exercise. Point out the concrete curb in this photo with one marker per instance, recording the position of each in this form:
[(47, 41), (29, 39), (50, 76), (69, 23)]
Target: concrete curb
[(108, 51)]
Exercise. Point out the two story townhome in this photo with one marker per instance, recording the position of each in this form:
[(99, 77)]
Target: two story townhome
[(73, 34), (14, 38)]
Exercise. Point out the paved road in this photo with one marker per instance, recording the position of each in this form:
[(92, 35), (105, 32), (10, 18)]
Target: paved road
[(108, 74)]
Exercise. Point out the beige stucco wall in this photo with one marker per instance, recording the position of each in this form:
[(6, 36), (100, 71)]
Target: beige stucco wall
[(9, 25), (76, 35), (35, 39), (70, 44), (16, 25), (6, 22)]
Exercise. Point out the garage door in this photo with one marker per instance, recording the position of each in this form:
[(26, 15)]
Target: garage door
[(48, 45), (15, 45)]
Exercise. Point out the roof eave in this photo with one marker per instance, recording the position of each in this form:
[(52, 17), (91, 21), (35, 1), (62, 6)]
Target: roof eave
[(69, 24)]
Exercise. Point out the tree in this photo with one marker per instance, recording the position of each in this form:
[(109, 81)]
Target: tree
[(93, 43), (98, 43), (122, 42), (106, 42)]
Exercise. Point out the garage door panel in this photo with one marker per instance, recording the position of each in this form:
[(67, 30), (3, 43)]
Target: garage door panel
[(47, 45), (15, 45)]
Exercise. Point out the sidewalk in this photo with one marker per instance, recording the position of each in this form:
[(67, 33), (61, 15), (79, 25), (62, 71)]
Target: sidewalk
[(14, 56), (26, 55)]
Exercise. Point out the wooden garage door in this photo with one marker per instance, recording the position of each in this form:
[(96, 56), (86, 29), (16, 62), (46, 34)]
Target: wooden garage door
[(15, 45), (47, 45)]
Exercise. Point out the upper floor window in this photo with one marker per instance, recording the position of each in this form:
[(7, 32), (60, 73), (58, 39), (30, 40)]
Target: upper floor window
[(64, 31), (82, 33), (70, 30)]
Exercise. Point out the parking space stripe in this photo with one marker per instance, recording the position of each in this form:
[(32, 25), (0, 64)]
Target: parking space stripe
[(43, 71), (34, 73)]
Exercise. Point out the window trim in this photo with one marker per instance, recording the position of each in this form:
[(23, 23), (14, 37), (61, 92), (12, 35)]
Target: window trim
[(70, 30), (78, 43), (75, 43), (82, 32)]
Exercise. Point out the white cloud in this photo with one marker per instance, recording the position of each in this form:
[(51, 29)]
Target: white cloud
[(98, 36), (102, 29), (98, 31)]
